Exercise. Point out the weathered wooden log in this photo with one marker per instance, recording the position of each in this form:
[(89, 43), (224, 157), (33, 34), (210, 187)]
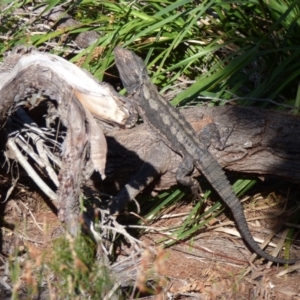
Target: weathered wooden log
[(73, 99), (259, 142)]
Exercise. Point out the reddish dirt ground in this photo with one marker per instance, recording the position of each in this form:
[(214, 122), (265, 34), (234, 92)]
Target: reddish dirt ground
[(212, 265)]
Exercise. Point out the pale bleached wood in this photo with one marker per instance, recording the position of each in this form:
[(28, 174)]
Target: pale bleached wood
[(28, 78)]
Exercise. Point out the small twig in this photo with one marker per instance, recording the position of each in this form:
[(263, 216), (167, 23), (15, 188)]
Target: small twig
[(6, 285), (22, 236), (8, 6), (137, 205), (42, 153), (289, 270), (30, 171), (34, 220), (111, 292), (29, 150), (169, 216), (234, 232), (14, 184), (151, 228), (122, 231)]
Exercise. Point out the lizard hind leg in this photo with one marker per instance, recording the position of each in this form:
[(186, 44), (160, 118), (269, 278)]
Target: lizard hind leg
[(210, 135), (182, 176)]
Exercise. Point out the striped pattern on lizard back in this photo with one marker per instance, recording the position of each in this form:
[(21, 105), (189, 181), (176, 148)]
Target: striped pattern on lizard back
[(170, 126)]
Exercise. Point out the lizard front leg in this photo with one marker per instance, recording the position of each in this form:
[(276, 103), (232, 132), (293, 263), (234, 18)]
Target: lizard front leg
[(210, 135)]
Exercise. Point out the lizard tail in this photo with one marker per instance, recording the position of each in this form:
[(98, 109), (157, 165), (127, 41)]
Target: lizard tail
[(215, 175)]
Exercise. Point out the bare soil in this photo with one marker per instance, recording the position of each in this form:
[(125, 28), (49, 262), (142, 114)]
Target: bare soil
[(212, 265)]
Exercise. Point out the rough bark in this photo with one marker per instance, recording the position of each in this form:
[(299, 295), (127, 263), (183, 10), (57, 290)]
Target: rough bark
[(259, 142)]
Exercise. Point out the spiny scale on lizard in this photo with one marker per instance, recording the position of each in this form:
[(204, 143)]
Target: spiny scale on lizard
[(172, 130), (186, 144), (178, 134)]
